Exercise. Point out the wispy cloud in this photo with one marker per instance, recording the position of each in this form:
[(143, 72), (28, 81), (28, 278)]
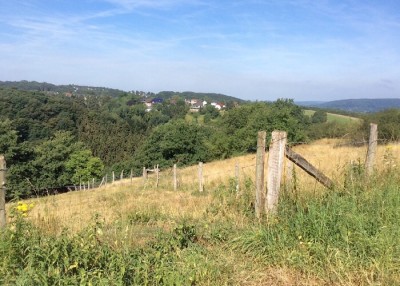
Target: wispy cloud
[(261, 47)]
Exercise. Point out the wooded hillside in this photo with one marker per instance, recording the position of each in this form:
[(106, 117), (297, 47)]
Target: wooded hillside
[(52, 140)]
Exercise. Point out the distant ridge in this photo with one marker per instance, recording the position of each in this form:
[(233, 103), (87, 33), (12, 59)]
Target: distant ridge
[(365, 105), (55, 89), (104, 91), (198, 95)]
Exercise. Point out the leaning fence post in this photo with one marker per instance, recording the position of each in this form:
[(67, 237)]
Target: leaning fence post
[(259, 204), (372, 144), (201, 182), (2, 191), (275, 167), (175, 180)]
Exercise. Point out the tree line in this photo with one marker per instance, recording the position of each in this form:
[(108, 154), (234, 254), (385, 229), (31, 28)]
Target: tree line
[(50, 141)]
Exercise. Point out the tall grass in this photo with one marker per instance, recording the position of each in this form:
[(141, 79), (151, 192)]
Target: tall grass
[(135, 235), (349, 236)]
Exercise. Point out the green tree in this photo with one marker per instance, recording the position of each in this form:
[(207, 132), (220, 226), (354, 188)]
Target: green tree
[(388, 124), (51, 158), (82, 166), (319, 116), (210, 111), (174, 142)]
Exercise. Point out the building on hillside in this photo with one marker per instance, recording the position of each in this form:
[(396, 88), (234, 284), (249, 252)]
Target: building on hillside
[(157, 100), (149, 104), (196, 106), (218, 105)]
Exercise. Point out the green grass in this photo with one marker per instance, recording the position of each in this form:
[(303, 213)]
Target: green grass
[(332, 117), (347, 236)]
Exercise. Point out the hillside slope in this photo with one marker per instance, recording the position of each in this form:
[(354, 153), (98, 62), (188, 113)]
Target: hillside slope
[(362, 105)]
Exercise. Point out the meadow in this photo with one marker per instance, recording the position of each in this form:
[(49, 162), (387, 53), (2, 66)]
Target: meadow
[(132, 233), (333, 117)]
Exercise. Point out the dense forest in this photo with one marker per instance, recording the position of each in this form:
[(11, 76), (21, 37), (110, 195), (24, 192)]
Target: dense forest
[(54, 140)]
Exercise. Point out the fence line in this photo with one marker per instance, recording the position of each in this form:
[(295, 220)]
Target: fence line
[(266, 199)]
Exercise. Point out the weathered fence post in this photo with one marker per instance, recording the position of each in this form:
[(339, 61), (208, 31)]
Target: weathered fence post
[(260, 159), (2, 191), (113, 177), (101, 183), (201, 182), (175, 180), (157, 176), (237, 177), (275, 169), (372, 144), (122, 175), (144, 175), (308, 168), (131, 177)]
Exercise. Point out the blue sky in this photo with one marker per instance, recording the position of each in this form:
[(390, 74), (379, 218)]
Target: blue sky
[(254, 49)]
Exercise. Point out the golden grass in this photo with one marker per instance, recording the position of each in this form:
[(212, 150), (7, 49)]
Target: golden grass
[(124, 199), (75, 210)]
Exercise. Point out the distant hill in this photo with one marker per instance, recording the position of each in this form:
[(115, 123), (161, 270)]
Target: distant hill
[(91, 90), (199, 95), (52, 88), (309, 103), (365, 105)]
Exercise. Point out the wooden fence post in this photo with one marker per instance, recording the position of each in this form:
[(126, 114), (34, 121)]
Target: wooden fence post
[(372, 145), (113, 177), (144, 175), (175, 179), (201, 182), (122, 175), (157, 176), (237, 177), (2, 191), (260, 159), (308, 168), (275, 168), (131, 177)]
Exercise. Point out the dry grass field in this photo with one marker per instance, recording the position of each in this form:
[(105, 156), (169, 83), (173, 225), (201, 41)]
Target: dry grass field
[(132, 213), (74, 210)]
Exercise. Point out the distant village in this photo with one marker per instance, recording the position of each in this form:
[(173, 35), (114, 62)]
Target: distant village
[(194, 104), (149, 99)]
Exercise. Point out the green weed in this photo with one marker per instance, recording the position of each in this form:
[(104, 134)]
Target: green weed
[(349, 236)]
